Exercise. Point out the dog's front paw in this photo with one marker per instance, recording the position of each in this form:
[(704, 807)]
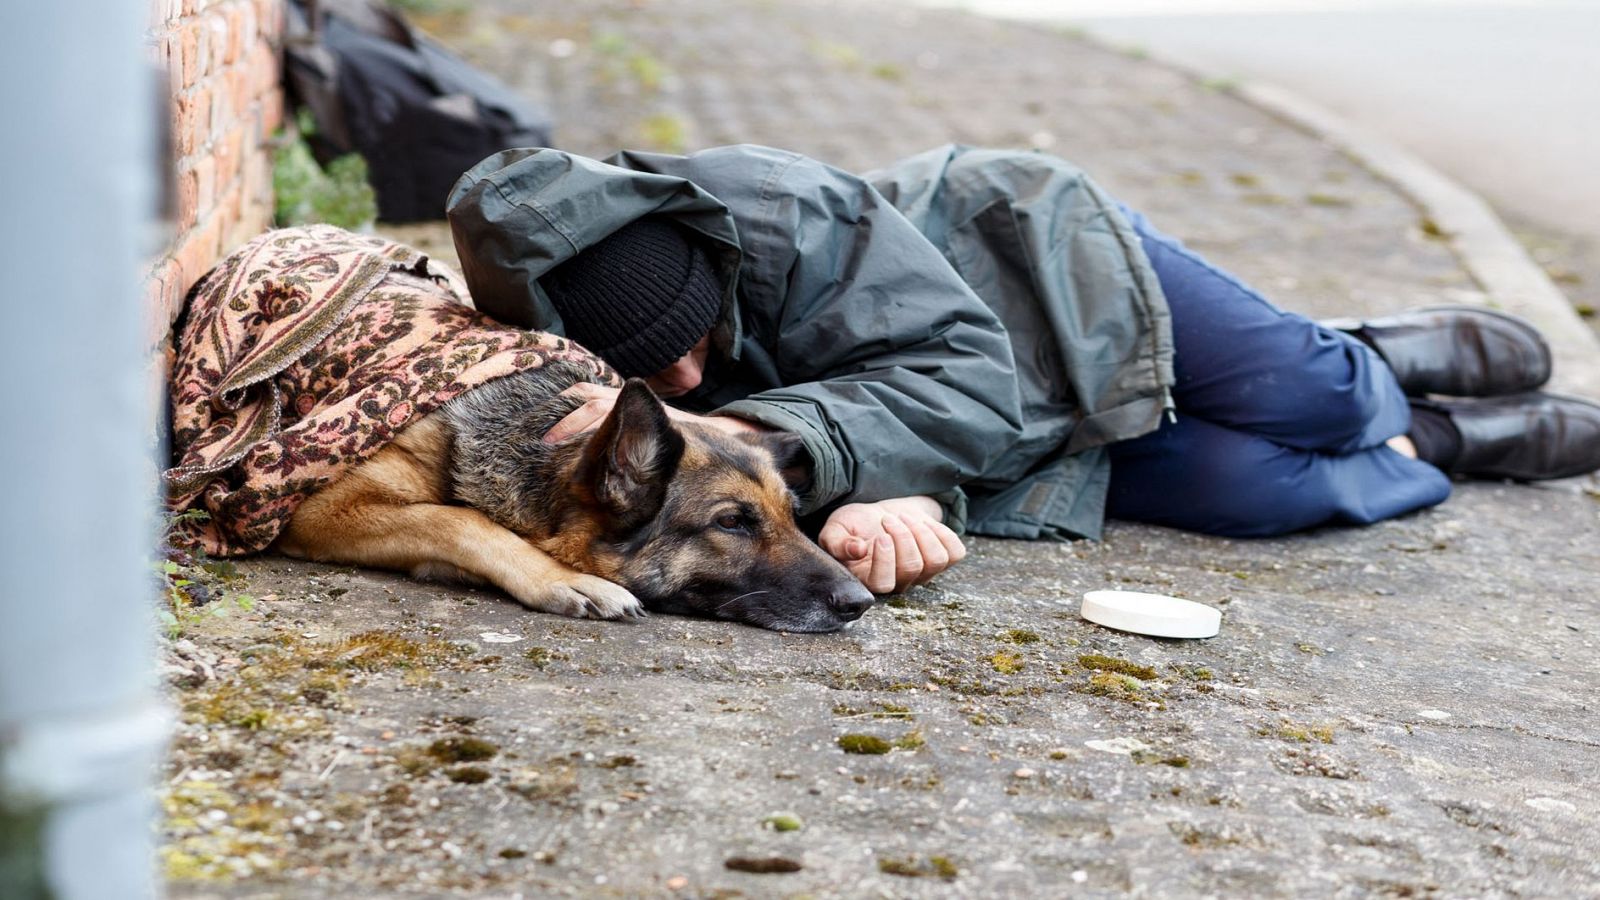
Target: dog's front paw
[(606, 599), (590, 597)]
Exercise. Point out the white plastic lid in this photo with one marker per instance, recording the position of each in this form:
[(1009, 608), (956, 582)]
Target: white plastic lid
[(1156, 615)]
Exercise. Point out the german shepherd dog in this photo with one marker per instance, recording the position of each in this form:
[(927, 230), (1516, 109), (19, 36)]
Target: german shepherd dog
[(640, 514)]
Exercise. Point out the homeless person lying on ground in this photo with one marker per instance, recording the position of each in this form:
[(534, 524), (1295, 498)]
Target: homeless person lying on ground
[(986, 340), (335, 398)]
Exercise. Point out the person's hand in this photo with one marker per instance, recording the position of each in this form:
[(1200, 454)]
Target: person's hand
[(598, 401), (892, 544)]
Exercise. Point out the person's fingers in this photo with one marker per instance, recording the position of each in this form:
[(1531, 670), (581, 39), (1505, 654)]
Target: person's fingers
[(907, 558), (832, 537), (588, 390), (952, 542), (935, 558), (862, 568), (880, 575), (842, 545), (585, 417)]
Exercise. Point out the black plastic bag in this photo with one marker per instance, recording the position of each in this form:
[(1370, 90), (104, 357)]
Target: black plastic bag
[(419, 115)]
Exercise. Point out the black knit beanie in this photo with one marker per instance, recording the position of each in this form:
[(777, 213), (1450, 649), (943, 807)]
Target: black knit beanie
[(640, 298)]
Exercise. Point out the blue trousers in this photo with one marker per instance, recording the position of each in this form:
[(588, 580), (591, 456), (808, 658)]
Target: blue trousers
[(1281, 422)]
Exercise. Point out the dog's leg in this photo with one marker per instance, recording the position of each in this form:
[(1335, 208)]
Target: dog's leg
[(387, 513), (416, 537)]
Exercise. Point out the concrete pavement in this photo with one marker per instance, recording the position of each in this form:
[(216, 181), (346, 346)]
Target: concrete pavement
[(1495, 95), (1401, 710)]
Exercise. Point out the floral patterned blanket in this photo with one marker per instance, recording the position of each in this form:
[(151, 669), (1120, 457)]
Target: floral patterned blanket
[(304, 353)]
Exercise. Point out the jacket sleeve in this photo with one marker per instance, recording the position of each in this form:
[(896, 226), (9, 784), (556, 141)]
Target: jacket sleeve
[(899, 379)]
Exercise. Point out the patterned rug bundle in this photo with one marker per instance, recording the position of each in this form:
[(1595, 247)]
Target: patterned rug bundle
[(305, 352)]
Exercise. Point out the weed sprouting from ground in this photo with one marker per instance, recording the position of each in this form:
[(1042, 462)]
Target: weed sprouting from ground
[(1006, 663), (192, 586), (666, 133), (1118, 666), (864, 744), (306, 193), (931, 867)]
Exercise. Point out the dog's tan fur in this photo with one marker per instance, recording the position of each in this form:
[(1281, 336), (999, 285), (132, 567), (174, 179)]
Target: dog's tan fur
[(640, 512), (391, 512)]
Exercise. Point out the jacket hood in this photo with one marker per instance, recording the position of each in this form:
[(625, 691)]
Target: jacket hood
[(521, 213)]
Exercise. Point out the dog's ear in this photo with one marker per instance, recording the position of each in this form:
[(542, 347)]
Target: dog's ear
[(632, 457), (789, 453)]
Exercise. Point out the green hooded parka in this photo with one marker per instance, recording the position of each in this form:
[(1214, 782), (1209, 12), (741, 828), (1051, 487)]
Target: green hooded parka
[(964, 317)]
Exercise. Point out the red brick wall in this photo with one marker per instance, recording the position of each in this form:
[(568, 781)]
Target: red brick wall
[(222, 65)]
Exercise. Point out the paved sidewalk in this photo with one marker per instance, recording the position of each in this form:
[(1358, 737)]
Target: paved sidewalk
[(1401, 710)]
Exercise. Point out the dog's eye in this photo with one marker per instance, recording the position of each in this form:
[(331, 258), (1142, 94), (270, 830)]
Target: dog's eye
[(732, 522)]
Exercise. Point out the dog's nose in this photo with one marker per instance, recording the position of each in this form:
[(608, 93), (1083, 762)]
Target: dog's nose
[(849, 602)]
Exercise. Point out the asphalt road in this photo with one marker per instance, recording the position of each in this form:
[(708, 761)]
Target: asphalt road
[(1501, 96)]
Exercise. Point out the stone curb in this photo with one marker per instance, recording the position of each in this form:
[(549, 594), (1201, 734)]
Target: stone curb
[(1487, 250), (1483, 244)]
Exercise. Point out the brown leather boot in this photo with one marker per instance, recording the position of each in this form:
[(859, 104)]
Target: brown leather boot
[(1460, 351)]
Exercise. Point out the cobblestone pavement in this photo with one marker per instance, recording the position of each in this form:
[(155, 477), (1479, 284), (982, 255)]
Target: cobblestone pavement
[(1401, 710)]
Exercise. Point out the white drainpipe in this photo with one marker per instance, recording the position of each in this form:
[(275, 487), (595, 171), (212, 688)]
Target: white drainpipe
[(81, 725)]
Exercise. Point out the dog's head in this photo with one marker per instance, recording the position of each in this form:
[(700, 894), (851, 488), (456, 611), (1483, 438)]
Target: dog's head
[(698, 522)]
